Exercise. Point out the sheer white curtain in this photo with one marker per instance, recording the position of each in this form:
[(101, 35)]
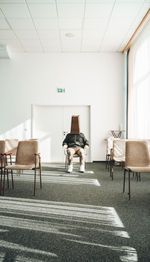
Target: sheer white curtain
[(139, 125)]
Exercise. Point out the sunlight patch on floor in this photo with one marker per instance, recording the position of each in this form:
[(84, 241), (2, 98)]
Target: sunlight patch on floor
[(84, 225), (58, 179)]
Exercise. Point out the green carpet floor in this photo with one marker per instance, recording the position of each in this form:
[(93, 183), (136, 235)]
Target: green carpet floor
[(75, 217)]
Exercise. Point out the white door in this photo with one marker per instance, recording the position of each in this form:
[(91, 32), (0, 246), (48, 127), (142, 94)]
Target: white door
[(50, 124)]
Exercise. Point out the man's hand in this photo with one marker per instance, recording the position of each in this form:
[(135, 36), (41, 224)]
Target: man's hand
[(86, 147), (65, 147)]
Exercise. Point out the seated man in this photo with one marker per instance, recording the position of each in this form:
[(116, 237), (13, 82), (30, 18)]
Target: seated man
[(75, 143)]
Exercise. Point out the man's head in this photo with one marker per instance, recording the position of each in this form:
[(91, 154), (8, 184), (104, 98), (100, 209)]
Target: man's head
[(75, 125)]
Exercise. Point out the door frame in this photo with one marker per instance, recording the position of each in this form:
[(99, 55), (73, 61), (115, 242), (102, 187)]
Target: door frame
[(65, 105)]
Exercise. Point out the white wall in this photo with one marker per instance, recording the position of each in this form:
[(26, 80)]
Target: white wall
[(89, 79)]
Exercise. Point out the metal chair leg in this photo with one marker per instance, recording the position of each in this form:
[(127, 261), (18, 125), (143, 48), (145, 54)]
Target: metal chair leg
[(7, 179), (3, 189), (12, 179), (1, 182), (40, 179), (34, 181), (139, 176), (111, 170), (108, 162), (124, 180), (129, 193)]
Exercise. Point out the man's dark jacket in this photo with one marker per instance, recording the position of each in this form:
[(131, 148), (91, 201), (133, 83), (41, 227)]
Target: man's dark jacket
[(75, 140)]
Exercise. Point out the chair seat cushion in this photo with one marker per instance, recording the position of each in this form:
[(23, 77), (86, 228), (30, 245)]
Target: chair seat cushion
[(142, 169), (20, 167)]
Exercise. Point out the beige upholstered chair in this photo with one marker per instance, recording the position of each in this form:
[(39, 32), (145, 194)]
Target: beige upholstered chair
[(109, 146), (2, 152), (11, 146), (11, 149), (117, 156), (5, 158), (137, 160), (27, 158)]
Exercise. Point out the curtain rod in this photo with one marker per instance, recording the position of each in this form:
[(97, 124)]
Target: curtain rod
[(137, 29)]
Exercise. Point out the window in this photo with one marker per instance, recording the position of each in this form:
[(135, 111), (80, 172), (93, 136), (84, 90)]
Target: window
[(140, 90)]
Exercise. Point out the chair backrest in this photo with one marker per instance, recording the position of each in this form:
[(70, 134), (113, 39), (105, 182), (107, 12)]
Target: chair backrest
[(11, 146), (2, 146), (137, 153), (109, 144), (119, 150), (26, 152), (2, 151)]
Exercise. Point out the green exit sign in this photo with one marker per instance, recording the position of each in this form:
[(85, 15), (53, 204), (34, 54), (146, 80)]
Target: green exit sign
[(60, 90)]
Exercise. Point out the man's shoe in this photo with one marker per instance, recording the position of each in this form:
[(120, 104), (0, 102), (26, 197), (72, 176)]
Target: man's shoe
[(70, 168), (82, 169)]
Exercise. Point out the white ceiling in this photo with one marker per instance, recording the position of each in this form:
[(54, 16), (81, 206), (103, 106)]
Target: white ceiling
[(91, 25)]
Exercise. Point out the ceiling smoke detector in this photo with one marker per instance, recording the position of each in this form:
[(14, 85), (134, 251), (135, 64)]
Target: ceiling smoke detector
[(69, 35)]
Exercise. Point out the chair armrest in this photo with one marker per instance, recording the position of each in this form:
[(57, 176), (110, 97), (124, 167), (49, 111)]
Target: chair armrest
[(8, 154), (37, 154)]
